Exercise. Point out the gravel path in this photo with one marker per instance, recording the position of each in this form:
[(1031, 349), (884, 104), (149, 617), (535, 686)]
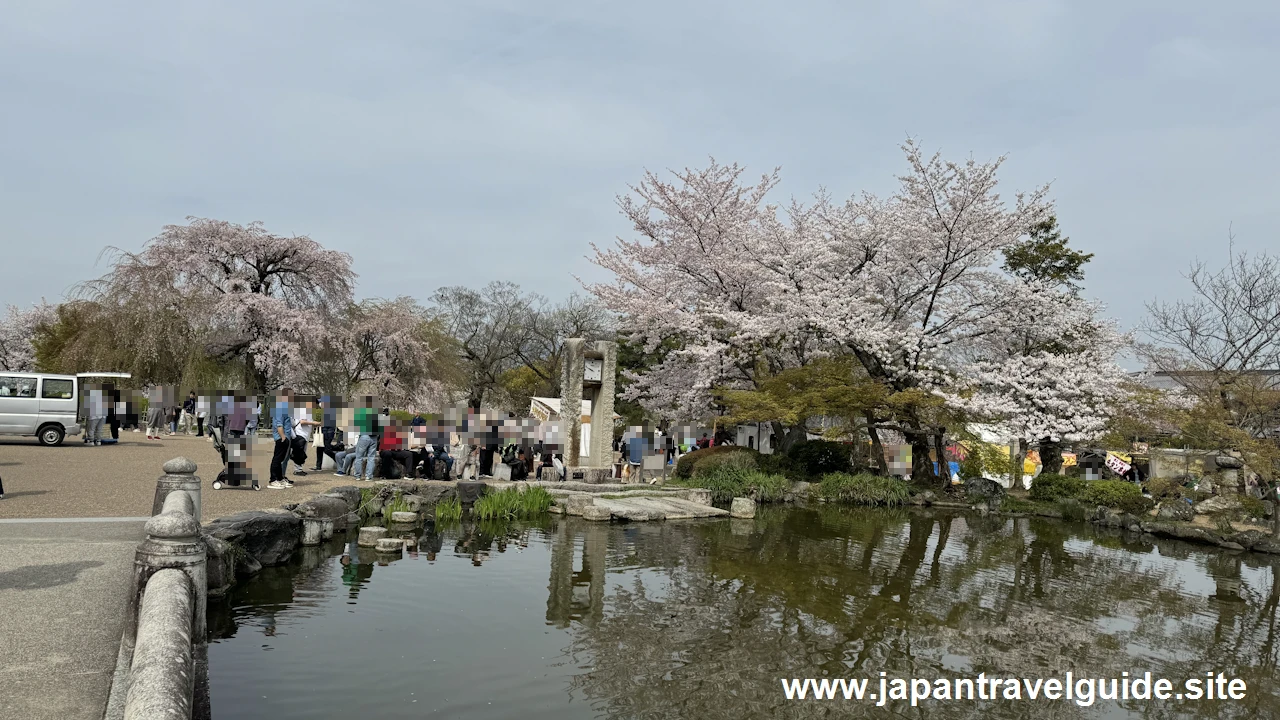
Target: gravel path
[(74, 480)]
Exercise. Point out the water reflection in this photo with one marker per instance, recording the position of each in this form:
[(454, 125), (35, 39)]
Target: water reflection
[(702, 619)]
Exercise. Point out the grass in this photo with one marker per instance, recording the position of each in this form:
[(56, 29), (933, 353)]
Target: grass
[(512, 504), (449, 510), (863, 489), (1223, 525)]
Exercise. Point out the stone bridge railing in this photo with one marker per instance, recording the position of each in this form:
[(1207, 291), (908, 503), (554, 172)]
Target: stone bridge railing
[(162, 669)]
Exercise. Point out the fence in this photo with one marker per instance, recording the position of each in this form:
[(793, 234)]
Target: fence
[(162, 669)]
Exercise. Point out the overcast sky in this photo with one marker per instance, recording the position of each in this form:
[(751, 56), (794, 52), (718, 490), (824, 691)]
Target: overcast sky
[(458, 143)]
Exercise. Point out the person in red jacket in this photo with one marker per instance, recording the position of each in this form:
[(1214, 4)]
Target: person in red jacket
[(394, 446)]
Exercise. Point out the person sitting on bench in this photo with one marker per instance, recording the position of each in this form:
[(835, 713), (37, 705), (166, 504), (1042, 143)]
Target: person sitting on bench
[(392, 448)]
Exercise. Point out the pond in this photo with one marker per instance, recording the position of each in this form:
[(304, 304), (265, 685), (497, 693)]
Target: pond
[(703, 619)]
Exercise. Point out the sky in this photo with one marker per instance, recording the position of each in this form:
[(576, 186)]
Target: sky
[(459, 143)]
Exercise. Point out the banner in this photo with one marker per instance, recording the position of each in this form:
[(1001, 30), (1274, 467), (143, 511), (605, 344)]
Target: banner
[(1117, 465)]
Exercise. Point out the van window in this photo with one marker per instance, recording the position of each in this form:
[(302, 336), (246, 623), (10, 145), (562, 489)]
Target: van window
[(57, 389), (22, 387)]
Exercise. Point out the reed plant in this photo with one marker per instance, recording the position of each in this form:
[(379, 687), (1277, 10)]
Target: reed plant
[(449, 510)]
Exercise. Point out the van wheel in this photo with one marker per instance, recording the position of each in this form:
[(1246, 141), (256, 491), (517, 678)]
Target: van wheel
[(51, 435)]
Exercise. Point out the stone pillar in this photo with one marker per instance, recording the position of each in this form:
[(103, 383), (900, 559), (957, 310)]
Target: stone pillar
[(602, 406), (571, 400), (179, 474)]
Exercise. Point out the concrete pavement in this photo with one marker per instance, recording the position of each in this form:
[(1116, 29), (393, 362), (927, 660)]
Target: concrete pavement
[(63, 591)]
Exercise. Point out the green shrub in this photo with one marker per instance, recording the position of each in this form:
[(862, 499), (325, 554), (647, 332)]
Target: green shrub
[(727, 482), (776, 464), (1253, 507), (1119, 494), (863, 489), (729, 462), (815, 458), (1165, 488), (1048, 487), (686, 463)]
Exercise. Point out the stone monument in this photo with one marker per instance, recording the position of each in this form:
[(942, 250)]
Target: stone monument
[(588, 375)]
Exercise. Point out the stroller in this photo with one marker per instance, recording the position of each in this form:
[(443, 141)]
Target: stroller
[(235, 457)]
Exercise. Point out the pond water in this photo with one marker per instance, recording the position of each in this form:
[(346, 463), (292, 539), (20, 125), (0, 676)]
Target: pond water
[(702, 619)]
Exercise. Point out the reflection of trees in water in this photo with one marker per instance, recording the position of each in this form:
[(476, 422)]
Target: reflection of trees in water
[(846, 593)]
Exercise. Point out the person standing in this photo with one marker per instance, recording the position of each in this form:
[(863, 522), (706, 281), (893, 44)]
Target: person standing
[(329, 443), (97, 415), (366, 452), (155, 417), (188, 418), (302, 424), (282, 434), (202, 415), (252, 428), (113, 414)]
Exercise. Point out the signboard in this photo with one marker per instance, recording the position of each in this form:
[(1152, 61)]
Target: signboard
[(1117, 465)]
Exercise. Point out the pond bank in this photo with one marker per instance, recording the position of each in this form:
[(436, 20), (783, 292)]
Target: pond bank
[(1252, 539)]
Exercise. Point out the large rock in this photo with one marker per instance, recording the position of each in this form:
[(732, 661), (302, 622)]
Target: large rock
[(1217, 503), (401, 516), (701, 496), (1175, 510), (323, 506), (596, 513), (984, 490), (268, 536), (574, 504), (349, 493), (1249, 538), (220, 565), (469, 492), (743, 507), (433, 494)]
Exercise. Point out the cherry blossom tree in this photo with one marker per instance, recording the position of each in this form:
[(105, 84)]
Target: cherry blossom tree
[(248, 296), (385, 347), (18, 330), (905, 284), (1054, 380), (706, 275)]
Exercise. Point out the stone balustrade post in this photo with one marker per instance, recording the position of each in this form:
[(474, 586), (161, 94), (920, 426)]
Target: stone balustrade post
[(179, 474)]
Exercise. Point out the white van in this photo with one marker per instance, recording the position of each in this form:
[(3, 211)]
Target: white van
[(42, 404)]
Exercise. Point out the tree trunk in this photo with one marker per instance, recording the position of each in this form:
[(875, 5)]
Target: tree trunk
[(877, 448), (940, 447), (921, 467), (1017, 455), (1051, 456), (788, 436)]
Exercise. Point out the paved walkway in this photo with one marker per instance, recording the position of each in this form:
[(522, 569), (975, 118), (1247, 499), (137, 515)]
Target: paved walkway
[(63, 590), (74, 480)]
